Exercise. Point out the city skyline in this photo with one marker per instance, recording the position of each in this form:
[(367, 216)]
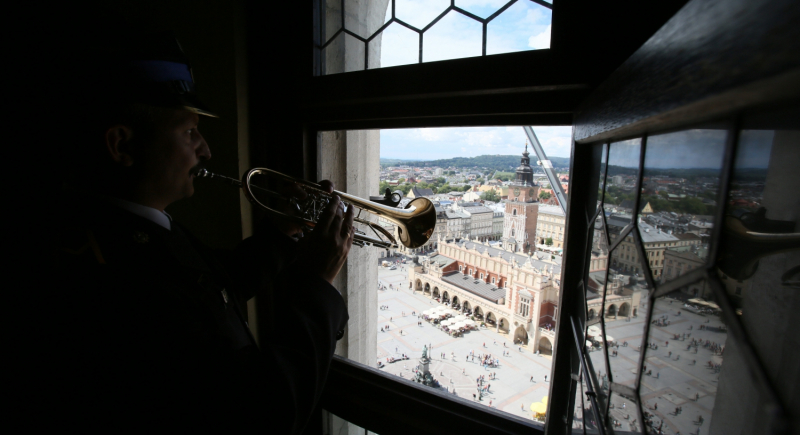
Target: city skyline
[(442, 143)]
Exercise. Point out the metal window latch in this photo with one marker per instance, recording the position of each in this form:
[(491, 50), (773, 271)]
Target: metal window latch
[(747, 237), (389, 198)]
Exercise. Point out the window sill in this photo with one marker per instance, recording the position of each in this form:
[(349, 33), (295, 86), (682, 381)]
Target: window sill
[(386, 404)]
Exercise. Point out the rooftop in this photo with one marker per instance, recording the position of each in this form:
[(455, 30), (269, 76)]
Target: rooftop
[(475, 286), (508, 256), (651, 235), (550, 209)]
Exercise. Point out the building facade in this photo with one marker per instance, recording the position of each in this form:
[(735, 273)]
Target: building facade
[(519, 226), (550, 225), (512, 293)]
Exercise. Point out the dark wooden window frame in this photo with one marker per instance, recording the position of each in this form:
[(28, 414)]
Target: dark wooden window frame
[(567, 85)]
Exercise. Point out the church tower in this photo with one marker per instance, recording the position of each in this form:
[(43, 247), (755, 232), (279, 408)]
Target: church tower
[(522, 208)]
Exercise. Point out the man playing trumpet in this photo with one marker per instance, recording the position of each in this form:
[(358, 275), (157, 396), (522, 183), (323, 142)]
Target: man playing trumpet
[(144, 322)]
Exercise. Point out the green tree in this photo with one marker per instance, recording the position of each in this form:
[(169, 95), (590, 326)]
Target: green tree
[(490, 195), (401, 180), (405, 188), (544, 195), (548, 241), (466, 188), (439, 181), (480, 180), (383, 186)]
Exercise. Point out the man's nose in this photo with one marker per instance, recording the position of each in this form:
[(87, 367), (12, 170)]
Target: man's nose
[(203, 151)]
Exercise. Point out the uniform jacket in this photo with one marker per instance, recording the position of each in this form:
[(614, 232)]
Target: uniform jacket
[(141, 322)]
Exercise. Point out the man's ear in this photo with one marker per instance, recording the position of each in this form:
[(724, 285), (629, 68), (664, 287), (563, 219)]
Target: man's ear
[(119, 143)]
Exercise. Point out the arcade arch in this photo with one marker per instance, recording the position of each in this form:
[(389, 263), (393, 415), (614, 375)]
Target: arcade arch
[(521, 335), (624, 309), (545, 346), (436, 292), (612, 310), (503, 325)]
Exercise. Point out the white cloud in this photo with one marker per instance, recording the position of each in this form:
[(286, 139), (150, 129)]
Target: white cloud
[(541, 40), (438, 143)]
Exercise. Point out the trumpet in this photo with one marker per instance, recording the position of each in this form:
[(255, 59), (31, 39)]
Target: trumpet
[(415, 223)]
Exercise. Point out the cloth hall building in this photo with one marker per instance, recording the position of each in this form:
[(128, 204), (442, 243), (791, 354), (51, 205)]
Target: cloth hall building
[(513, 293)]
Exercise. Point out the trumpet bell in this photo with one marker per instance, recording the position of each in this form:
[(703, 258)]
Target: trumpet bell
[(417, 227)]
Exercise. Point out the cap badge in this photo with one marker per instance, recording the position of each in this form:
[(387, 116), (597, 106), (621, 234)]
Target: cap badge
[(141, 237)]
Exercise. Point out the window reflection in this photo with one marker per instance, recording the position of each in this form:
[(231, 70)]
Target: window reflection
[(623, 415), (683, 358), (758, 257), (678, 202), (620, 190), (626, 294)]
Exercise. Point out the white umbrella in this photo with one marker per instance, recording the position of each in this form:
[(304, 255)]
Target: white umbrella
[(461, 317), (446, 322), (451, 312), (589, 344), (594, 330), (429, 312), (459, 325), (609, 338), (591, 333), (469, 322)]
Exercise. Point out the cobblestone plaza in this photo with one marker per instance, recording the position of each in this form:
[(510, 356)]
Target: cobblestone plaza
[(511, 391), (680, 379)]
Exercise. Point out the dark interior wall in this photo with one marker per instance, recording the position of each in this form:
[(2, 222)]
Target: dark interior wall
[(206, 31), (280, 61)]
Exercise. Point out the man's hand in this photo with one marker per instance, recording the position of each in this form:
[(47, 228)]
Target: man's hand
[(289, 189), (326, 248)]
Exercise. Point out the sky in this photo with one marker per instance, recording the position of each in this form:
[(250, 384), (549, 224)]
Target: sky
[(692, 149), (523, 26), (445, 143)]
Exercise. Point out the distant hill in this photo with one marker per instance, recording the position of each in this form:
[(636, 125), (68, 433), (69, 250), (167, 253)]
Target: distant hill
[(395, 162), (496, 162)]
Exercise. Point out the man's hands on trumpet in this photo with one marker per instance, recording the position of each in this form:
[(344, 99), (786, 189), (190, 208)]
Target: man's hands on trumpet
[(326, 248)]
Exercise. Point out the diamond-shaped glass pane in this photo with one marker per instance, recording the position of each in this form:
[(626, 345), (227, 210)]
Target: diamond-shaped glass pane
[(595, 349), (678, 203), (525, 25), (602, 177), (419, 13), (396, 45), (578, 407), (481, 8), (453, 37), (621, 179), (626, 289), (357, 18), (596, 279), (623, 414), (683, 359), (333, 18), (334, 54)]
